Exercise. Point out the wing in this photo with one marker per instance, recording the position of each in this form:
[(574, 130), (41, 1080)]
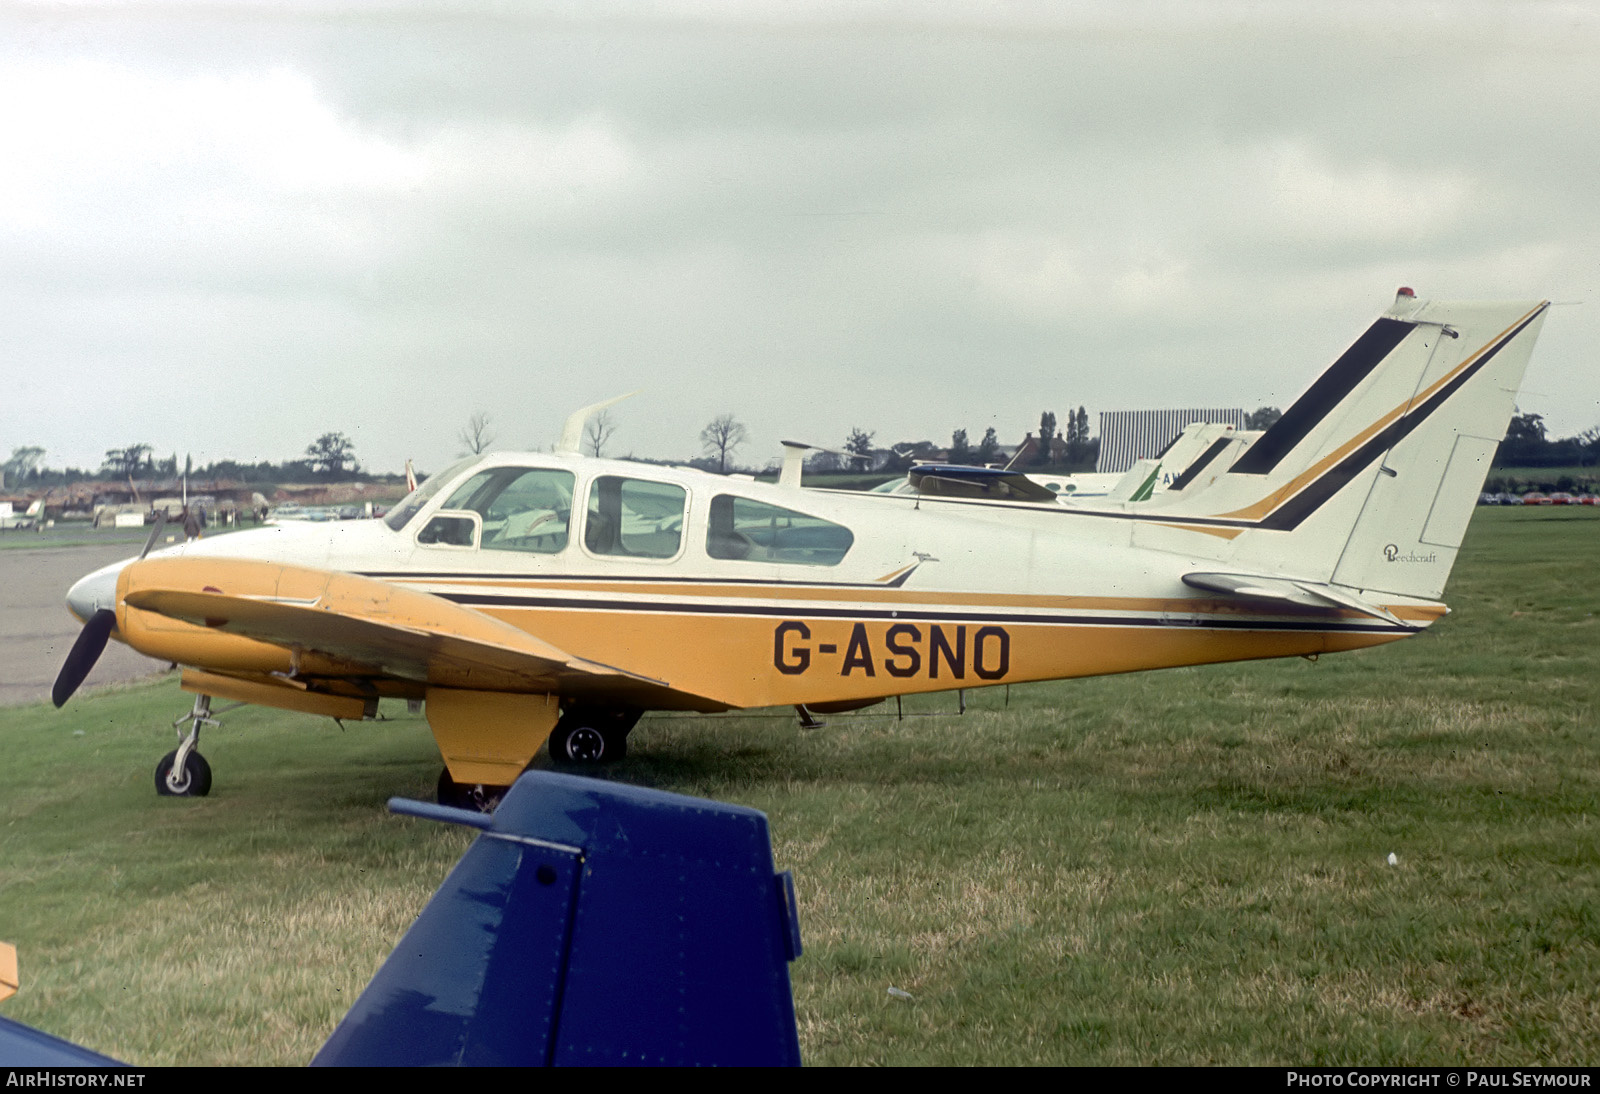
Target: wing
[(368, 627)]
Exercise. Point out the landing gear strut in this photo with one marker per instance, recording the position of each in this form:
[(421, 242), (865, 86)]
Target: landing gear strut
[(183, 772), (588, 735)]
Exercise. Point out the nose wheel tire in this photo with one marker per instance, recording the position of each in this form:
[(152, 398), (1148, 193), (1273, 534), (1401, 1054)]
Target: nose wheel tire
[(193, 780)]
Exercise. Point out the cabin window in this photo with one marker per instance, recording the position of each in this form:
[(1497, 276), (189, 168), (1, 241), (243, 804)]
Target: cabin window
[(634, 518), (523, 509), (757, 532)]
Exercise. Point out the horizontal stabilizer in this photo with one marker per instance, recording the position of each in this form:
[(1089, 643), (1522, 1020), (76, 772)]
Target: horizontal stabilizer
[(962, 481), (1284, 590)]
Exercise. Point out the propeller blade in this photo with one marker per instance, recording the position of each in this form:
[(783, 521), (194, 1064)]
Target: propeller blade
[(85, 652), (155, 534)]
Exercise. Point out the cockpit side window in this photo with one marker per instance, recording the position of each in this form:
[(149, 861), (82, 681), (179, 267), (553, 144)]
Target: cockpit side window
[(757, 532), (523, 509), (634, 518)]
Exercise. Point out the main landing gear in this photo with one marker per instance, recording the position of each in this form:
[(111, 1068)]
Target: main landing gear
[(584, 736), (183, 772), (589, 735)]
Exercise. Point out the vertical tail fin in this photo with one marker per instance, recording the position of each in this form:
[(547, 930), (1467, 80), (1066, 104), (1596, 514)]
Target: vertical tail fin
[(1370, 478)]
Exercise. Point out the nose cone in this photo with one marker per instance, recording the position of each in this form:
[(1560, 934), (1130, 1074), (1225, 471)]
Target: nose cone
[(98, 590)]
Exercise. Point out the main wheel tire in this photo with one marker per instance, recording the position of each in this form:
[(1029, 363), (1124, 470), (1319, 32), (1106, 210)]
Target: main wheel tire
[(193, 782), (585, 744)]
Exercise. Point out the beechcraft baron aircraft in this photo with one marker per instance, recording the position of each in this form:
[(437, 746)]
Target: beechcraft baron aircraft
[(524, 597)]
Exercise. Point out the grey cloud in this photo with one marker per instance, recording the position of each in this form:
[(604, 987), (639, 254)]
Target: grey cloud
[(940, 222)]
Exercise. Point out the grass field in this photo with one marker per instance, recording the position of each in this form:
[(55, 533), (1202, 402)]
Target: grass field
[(1184, 867)]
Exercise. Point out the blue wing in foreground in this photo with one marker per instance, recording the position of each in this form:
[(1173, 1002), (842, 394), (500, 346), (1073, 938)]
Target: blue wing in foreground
[(591, 923), (24, 1046)]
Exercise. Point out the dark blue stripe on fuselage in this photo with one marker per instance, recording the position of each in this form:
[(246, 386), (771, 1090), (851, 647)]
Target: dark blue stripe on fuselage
[(795, 611)]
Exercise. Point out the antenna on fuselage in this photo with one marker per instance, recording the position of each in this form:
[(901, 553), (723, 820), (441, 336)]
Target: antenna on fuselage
[(571, 441)]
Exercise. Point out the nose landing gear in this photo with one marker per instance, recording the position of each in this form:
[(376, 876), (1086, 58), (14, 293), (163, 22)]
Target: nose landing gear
[(186, 778), (183, 772)]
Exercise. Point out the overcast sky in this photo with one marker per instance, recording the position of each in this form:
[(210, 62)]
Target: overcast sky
[(226, 228)]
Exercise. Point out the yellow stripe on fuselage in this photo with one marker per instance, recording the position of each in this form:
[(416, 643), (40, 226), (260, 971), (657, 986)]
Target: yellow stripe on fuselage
[(756, 661)]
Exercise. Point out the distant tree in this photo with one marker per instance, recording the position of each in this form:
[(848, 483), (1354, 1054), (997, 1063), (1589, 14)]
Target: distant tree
[(1262, 417), (1524, 444), (721, 437), (127, 462), (168, 466), (989, 447), (1526, 429), (475, 435), (1047, 438), (1589, 443), (262, 471), (960, 450), (1077, 436), (331, 453), (859, 445), (598, 431), (24, 462)]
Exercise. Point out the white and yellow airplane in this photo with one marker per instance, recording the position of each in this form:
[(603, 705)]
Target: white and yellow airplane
[(525, 597)]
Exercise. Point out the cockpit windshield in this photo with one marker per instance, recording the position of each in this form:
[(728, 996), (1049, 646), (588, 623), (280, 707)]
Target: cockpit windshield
[(408, 506)]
